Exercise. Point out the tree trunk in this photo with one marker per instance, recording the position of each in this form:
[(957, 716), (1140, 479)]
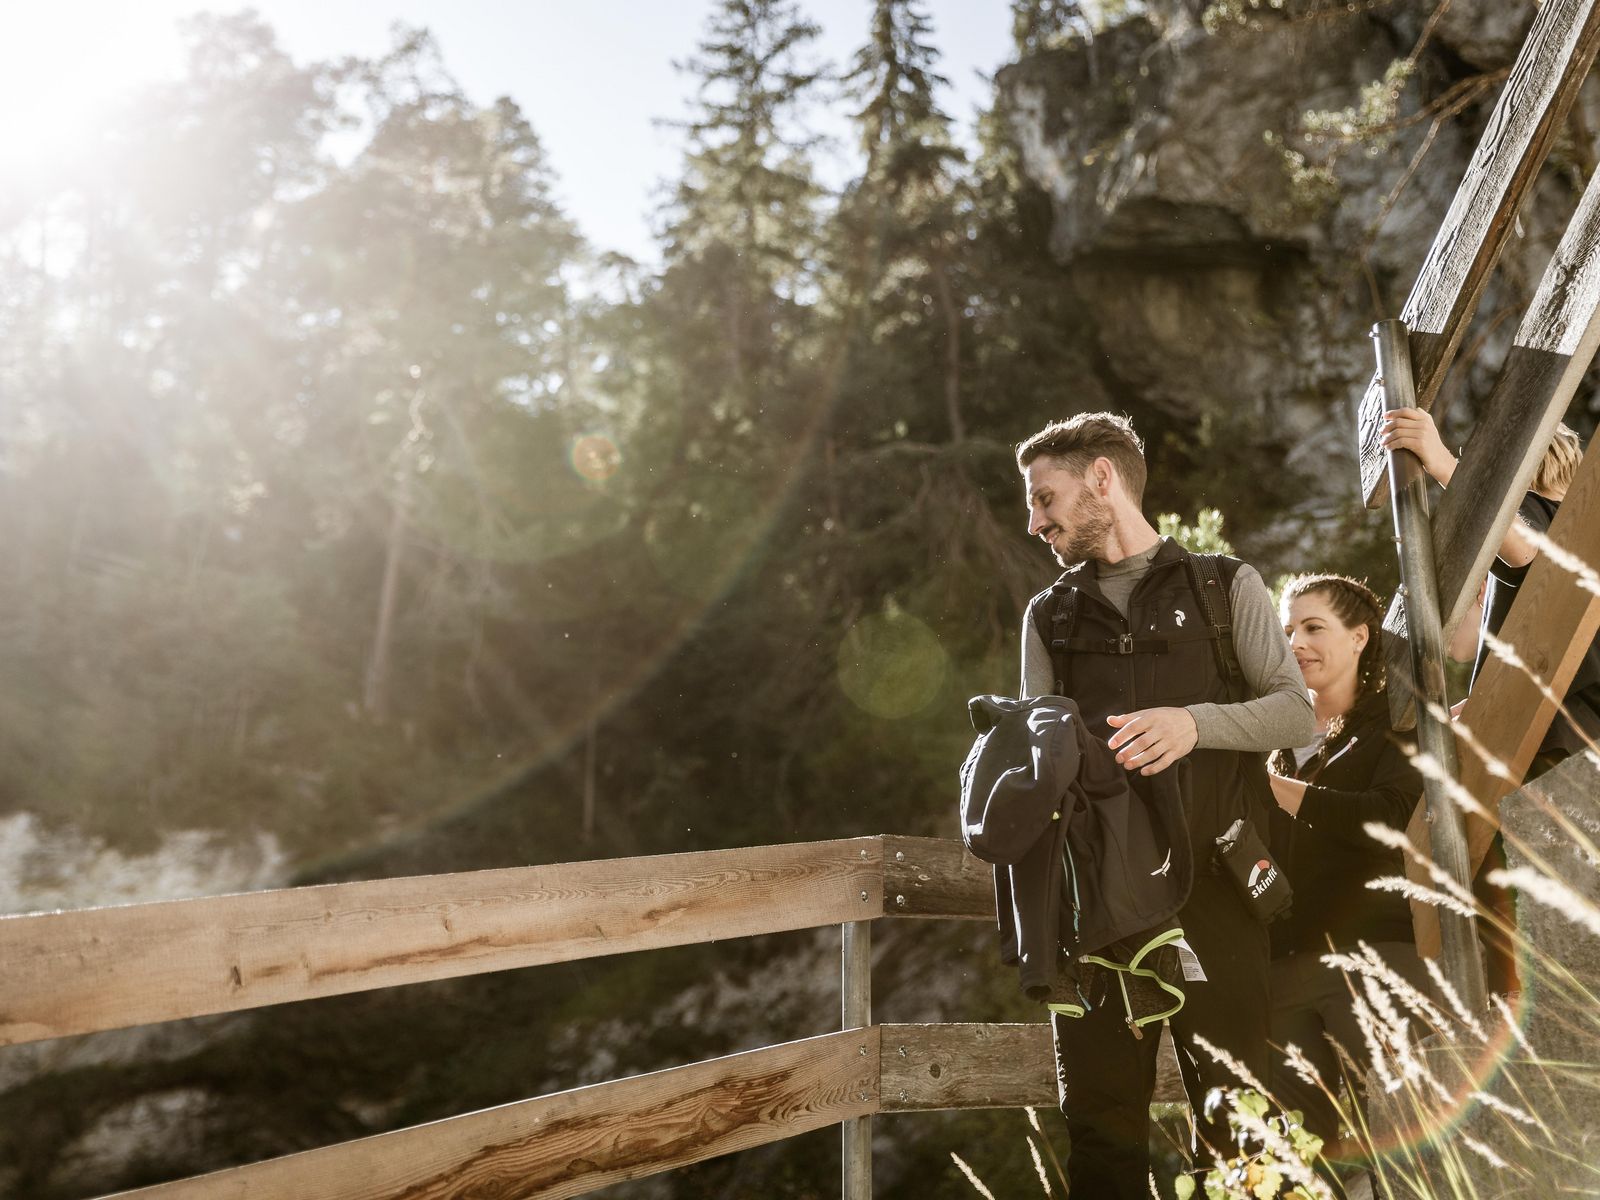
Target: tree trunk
[(952, 351), (375, 699), (588, 776)]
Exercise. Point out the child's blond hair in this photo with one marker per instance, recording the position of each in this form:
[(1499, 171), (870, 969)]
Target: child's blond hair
[(1559, 464)]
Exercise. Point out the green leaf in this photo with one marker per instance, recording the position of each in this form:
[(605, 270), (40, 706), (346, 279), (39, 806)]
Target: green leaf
[(1203, 537), (1253, 1103), (1183, 1186), (1306, 1144), (1267, 1186)]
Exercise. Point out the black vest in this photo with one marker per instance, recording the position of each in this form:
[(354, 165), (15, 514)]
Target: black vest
[(1162, 655)]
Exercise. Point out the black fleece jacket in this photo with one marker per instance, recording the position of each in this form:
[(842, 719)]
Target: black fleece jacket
[(1037, 783), (1361, 774)]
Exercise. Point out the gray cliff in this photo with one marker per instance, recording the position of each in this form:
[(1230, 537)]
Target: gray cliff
[(1223, 276)]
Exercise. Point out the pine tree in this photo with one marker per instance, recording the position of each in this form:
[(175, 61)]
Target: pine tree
[(1042, 24), (903, 228), (742, 225)]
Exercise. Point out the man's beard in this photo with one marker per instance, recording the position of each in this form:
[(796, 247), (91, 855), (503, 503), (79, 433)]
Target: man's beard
[(1088, 527)]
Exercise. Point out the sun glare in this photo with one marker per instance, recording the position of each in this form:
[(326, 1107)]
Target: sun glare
[(61, 65)]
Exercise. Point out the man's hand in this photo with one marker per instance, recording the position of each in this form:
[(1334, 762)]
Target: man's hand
[(1152, 739), (1412, 429)]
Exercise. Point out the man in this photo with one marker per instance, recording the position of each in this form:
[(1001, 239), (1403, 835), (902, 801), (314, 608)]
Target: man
[(1117, 633)]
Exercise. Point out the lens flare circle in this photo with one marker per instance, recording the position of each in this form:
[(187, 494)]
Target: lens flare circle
[(594, 457), (891, 665)]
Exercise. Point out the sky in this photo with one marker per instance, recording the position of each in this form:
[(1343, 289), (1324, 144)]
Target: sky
[(593, 78)]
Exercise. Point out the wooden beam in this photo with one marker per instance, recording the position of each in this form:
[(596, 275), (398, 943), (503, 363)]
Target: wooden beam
[(1542, 86), (1549, 356), (573, 1142), (1551, 625), (927, 1067), (105, 968), (935, 877)]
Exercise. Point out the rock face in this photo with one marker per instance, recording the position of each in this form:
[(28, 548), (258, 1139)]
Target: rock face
[(42, 870), (1226, 284), (1485, 33)]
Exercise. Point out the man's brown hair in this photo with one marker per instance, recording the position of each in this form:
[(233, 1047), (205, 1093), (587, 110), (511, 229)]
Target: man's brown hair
[(1078, 441)]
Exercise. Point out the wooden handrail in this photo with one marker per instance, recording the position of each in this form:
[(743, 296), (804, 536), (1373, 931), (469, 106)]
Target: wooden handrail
[(107, 968), (76, 972), (73, 972), (923, 1068), (935, 877), (572, 1142)]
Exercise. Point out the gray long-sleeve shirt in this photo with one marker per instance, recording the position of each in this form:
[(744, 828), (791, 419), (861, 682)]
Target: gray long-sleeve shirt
[(1280, 715)]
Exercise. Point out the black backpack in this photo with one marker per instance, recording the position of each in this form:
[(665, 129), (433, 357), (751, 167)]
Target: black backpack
[(1211, 579)]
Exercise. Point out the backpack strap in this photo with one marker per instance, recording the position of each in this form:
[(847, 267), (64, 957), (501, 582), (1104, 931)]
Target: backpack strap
[(1216, 605), (1215, 594), (1058, 636), (1054, 614)]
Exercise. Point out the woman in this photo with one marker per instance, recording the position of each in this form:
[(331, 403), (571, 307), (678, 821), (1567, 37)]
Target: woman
[(1354, 772)]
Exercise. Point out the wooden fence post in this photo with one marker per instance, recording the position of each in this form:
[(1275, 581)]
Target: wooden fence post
[(855, 979)]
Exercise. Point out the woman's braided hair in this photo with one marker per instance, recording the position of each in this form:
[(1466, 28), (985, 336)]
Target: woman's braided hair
[(1354, 603)]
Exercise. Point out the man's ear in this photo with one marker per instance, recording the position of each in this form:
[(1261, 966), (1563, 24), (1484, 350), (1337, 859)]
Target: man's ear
[(1102, 473)]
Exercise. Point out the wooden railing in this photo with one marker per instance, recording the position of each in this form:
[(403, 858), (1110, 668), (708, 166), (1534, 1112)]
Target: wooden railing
[(97, 969)]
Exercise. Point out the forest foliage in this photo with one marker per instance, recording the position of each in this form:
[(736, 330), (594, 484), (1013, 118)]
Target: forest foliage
[(346, 489), (345, 485)]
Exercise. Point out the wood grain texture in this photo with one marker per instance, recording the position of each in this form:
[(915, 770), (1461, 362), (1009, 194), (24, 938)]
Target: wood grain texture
[(573, 1142), (1541, 88), (1549, 356), (935, 877), (105, 968), (1551, 625), (928, 1067)]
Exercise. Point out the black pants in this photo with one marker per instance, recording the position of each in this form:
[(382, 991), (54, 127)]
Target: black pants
[(1312, 1008), (1106, 1075)]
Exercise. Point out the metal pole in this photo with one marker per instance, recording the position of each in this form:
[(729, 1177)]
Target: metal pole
[(1413, 533), (856, 987)]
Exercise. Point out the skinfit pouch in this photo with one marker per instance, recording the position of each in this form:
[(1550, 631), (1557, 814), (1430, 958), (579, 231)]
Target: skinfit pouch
[(1247, 861)]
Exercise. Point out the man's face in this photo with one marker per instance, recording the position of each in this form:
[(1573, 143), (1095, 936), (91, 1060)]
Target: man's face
[(1065, 512)]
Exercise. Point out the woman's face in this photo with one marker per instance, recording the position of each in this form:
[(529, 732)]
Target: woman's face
[(1328, 651)]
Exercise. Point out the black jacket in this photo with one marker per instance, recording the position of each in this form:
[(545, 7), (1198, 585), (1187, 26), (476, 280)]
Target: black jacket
[(1082, 859), (1360, 775)]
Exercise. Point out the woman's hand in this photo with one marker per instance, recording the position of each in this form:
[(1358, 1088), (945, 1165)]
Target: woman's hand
[(1412, 429), (1287, 792)]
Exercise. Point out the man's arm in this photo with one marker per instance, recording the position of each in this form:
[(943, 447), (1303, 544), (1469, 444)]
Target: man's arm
[(1281, 715), (1038, 675)]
